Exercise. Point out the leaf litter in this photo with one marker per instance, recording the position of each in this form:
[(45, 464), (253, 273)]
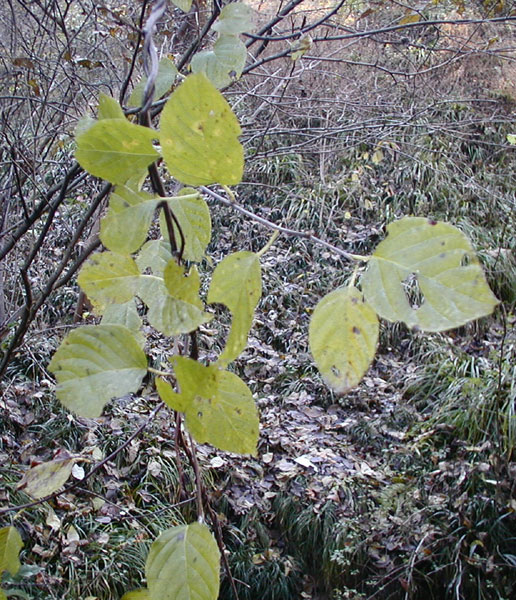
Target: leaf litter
[(364, 449)]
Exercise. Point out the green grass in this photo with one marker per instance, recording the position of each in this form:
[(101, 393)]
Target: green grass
[(472, 393)]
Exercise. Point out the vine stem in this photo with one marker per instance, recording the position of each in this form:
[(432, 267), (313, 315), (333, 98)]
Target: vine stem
[(267, 246), (285, 230), (198, 480), (93, 470), (215, 521), (158, 372)]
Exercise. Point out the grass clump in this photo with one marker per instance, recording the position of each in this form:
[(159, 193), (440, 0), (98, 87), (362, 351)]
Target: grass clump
[(468, 390), (260, 563)]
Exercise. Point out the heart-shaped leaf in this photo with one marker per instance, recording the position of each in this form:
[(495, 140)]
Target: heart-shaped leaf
[(224, 64), (219, 407), (199, 135), (96, 363), (183, 564), (425, 273)]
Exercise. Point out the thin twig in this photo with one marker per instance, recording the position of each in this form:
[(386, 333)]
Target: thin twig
[(198, 480), (215, 522), (285, 230), (125, 85)]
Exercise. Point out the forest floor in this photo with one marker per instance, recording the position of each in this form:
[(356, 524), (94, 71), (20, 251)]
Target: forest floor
[(405, 482)]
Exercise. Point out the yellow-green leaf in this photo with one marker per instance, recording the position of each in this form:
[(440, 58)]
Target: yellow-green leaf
[(412, 18), (167, 73), (46, 478), (114, 149), (199, 135), (154, 255), (125, 314), (301, 47), (108, 277), (343, 335), (96, 363), (235, 18), (183, 564), (183, 5), (185, 288), (168, 314), (224, 64), (10, 546), (219, 407), (425, 273), (237, 283), (109, 108), (377, 157), (194, 218), (511, 138), (126, 224), (173, 400)]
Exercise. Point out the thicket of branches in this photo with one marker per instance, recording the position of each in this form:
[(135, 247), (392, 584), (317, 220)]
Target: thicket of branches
[(391, 109), (376, 78)]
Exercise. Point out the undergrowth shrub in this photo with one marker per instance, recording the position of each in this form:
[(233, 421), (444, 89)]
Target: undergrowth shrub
[(326, 173)]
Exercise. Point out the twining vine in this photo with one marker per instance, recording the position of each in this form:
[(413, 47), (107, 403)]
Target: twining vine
[(425, 273)]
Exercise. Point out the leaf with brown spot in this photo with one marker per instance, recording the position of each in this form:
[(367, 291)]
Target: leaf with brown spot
[(199, 135), (219, 407), (343, 335)]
